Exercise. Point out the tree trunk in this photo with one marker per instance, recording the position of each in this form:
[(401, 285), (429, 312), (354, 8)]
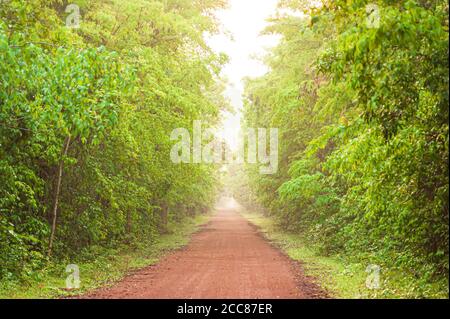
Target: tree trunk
[(164, 212), (56, 195), (129, 226)]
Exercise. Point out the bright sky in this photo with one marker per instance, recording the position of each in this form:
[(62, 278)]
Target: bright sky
[(244, 19)]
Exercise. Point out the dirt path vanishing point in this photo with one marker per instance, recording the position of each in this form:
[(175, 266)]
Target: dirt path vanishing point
[(227, 259)]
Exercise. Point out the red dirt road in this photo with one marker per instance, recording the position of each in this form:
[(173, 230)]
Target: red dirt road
[(227, 259)]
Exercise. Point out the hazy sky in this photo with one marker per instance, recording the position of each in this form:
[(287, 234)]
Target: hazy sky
[(244, 19)]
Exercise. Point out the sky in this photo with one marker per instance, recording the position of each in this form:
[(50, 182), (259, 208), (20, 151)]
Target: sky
[(244, 19)]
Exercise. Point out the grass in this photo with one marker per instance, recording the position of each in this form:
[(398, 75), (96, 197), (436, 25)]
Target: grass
[(340, 277), (109, 266)]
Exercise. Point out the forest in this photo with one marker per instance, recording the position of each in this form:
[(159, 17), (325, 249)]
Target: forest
[(85, 122), (361, 101), (360, 98)]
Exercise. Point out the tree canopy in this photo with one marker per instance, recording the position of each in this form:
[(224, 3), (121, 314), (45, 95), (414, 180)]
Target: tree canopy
[(85, 121), (362, 106)]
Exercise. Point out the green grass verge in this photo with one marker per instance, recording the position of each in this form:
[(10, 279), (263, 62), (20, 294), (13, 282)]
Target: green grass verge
[(340, 277), (109, 266)]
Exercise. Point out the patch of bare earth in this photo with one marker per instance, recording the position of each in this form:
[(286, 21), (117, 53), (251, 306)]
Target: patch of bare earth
[(227, 259)]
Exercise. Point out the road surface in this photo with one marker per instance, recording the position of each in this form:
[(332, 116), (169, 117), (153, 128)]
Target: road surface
[(227, 258)]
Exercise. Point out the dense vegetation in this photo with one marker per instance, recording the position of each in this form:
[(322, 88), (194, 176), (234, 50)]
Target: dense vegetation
[(360, 98), (362, 106), (85, 122)]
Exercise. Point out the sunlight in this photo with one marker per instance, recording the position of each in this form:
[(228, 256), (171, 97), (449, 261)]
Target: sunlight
[(172, 150), (245, 20)]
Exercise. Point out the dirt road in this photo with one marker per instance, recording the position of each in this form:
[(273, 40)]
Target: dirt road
[(228, 258)]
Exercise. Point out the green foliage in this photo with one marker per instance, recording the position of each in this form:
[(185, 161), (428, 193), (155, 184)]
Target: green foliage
[(363, 118), (110, 92), (102, 266)]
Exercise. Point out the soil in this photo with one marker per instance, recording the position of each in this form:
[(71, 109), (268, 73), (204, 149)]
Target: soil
[(227, 259)]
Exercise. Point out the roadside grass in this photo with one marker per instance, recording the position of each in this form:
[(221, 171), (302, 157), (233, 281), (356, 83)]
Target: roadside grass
[(109, 266), (342, 278)]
